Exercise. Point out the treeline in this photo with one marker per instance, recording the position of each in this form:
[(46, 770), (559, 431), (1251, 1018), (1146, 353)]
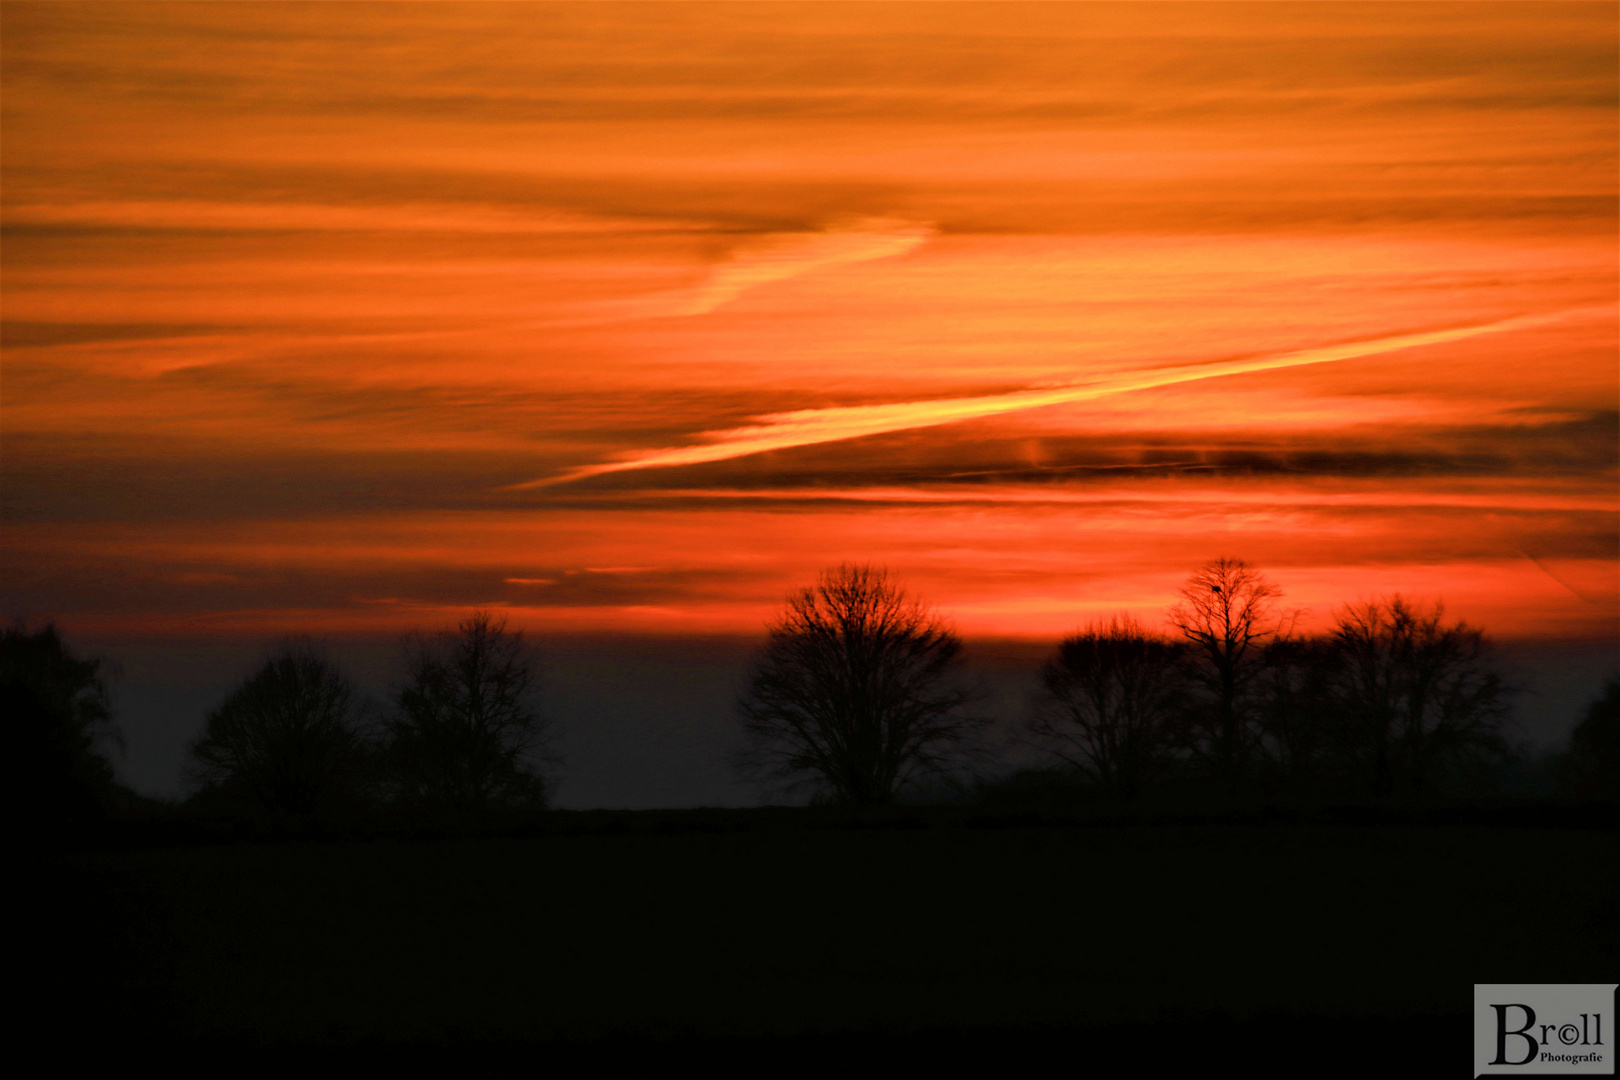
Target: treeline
[(858, 697), (463, 734), (1392, 700)]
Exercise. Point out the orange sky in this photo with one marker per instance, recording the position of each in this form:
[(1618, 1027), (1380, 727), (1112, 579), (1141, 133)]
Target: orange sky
[(624, 317)]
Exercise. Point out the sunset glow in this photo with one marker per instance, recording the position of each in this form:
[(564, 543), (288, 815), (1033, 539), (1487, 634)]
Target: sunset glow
[(626, 318)]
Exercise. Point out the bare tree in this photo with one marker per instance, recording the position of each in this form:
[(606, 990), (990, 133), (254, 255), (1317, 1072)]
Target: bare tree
[(1109, 703), (1414, 693), (856, 690), (289, 735), (467, 732), (1228, 614)]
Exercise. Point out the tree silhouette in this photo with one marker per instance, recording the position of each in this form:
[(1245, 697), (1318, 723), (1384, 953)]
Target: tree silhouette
[(1294, 705), (57, 718), (1594, 747), (1109, 703), (1228, 615), (1414, 694), (288, 736), (855, 691), (467, 733)]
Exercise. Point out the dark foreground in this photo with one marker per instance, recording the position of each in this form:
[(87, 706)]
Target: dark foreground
[(779, 945)]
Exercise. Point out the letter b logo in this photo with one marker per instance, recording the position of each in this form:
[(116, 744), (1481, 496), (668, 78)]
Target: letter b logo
[(1531, 1048)]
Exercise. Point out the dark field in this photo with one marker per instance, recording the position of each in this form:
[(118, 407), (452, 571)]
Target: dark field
[(758, 932)]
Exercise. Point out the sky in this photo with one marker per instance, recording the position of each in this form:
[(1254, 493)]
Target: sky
[(628, 319)]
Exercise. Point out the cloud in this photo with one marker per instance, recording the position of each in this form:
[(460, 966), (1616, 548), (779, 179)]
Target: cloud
[(807, 427), (779, 256), (243, 214)]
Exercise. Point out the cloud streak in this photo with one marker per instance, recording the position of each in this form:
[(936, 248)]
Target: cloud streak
[(808, 427), (779, 256)]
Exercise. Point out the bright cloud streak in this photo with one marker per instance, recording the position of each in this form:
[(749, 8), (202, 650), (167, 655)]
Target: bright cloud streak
[(806, 427)]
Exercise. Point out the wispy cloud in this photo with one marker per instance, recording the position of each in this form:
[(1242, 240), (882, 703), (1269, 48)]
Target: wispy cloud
[(779, 256), (806, 427)]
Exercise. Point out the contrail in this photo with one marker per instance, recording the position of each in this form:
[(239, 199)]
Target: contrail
[(807, 427), (1573, 591)]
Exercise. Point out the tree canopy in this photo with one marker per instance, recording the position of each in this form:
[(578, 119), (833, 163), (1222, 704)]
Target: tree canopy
[(1414, 692), (58, 720), (467, 731), (1594, 746), (288, 736), (1110, 701), (857, 691)]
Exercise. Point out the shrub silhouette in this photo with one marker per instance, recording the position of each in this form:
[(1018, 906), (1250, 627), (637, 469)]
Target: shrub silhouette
[(467, 733), (57, 717), (288, 736), (855, 692), (1109, 703)]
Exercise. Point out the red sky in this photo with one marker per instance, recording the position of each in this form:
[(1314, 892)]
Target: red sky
[(631, 318)]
